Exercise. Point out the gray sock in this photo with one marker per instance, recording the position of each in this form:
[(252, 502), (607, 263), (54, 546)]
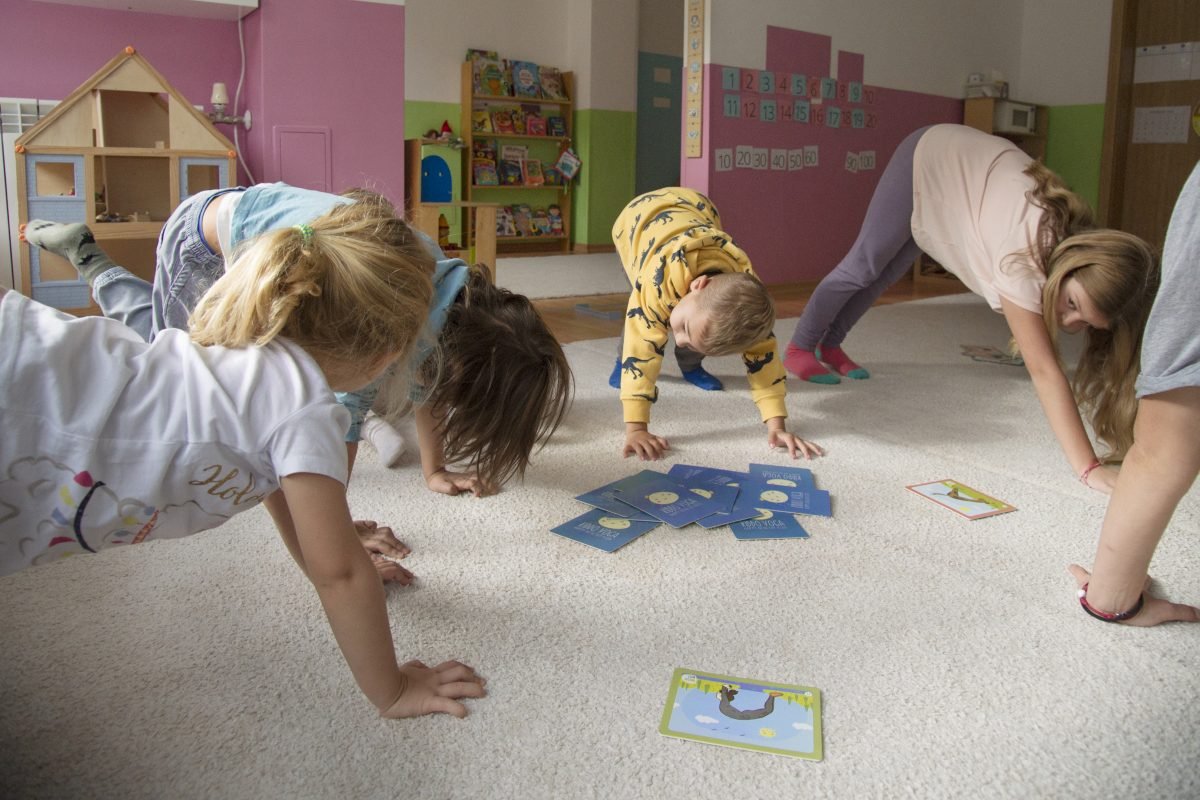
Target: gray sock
[(74, 242)]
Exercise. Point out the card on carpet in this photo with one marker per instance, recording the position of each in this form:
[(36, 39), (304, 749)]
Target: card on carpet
[(668, 500), (784, 476), (769, 525), (760, 494), (763, 716), (961, 499), (604, 531), (691, 475), (603, 496)]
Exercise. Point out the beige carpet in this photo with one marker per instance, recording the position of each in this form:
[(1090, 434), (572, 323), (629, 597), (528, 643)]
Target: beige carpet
[(953, 656), (562, 275)]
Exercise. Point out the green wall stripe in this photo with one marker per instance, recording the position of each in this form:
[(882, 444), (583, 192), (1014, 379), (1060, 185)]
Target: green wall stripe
[(1074, 140), (606, 141)]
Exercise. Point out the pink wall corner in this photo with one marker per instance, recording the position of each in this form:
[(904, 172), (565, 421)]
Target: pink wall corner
[(48, 49), (796, 225), (335, 65)]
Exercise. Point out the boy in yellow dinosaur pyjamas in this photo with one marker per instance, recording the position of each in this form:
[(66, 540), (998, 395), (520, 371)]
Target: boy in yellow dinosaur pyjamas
[(689, 279)]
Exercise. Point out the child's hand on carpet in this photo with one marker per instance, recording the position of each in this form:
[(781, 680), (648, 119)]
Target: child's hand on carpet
[(454, 483), (436, 690), (385, 551), (1103, 479), (778, 436), (643, 443), (1154, 610)]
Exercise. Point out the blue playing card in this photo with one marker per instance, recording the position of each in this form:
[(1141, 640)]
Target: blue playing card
[(691, 475), (735, 514), (603, 497), (760, 494), (668, 500), (783, 476), (769, 525), (604, 531)]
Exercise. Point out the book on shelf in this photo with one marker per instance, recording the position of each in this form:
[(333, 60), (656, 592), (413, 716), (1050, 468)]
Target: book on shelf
[(505, 226), (502, 121), (489, 75), (541, 222), (481, 121), (518, 120), (510, 173), (526, 79), (552, 84), (523, 219), (484, 172), (568, 164), (514, 152), (556, 126), (483, 148), (531, 171), (535, 125), (552, 175)]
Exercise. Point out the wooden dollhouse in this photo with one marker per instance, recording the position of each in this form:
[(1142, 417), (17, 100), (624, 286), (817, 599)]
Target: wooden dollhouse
[(119, 153)]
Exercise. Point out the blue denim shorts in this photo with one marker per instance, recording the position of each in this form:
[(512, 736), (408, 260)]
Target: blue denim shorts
[(186, 265)]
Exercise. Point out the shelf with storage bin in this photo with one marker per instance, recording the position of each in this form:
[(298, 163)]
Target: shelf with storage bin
[(980, 113), (543, 148)]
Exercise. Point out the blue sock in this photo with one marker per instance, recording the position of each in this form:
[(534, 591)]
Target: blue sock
[(614, 380), (702, 378)]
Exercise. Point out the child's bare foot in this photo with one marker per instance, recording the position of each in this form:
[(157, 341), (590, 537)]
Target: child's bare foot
[(380, 539)]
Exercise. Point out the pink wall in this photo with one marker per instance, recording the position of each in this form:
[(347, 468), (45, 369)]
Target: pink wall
[(327, 76), (47, 50), (797, 225)]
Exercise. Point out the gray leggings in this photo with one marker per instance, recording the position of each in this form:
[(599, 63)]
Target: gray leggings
[(882, 253)]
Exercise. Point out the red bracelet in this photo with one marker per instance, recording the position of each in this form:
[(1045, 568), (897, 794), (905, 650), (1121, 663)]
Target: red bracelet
[(1083, 476), (1104, 615)]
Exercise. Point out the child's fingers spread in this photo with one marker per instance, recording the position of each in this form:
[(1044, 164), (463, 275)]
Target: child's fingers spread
[(391, 572), (454, 672), (444, 705), (462, 689)]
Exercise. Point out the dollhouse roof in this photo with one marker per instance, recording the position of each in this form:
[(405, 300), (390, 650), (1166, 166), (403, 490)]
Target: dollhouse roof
[(127, 103)]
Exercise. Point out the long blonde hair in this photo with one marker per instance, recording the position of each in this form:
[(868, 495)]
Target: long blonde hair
[(352, 287), (1119, 272)]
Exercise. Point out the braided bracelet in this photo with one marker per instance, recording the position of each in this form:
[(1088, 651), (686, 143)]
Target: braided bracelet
[(1104, 616), (1083, 476)]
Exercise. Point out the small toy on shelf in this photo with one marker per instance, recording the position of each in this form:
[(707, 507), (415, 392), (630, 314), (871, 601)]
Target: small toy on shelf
[(554, 214)]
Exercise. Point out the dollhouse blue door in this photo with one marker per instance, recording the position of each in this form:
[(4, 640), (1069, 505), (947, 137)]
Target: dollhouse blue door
[(201, 174), (54, 192)]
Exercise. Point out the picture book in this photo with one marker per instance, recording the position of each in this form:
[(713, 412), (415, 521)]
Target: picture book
[(535, 125), (514, 152), (489, 77), (531, 171), (603, 497), (523, 219), (568, 163), (554, 213), (510, 172), (502, 121), (668, 500), (604, 531), (518, 121), (483, 148), (552, 84), (991, 355), (481, 121), (961, 499), (556, 126), (553, 176), (505, 226), (762, 495), (526, 79), (764, 716), (541, 222), (769, 525), (484, 170), (778, 475)]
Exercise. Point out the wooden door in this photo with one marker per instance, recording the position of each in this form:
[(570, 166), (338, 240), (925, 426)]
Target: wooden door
[(1140, 181)]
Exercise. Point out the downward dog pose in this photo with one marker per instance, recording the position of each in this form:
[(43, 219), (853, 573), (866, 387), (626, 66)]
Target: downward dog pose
[(1016, 235), (110, 440)]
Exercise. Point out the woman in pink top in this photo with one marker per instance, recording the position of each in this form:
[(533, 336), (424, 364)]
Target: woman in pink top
[(1014, 234)]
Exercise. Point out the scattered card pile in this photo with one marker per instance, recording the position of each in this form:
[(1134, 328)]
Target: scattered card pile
[(761, 503)]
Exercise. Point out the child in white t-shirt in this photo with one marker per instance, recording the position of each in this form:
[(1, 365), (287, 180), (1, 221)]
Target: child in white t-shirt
[(1013, 232), (110, 440)]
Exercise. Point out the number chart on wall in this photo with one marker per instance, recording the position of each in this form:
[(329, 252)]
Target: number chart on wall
[(694, 71), (802, 103)]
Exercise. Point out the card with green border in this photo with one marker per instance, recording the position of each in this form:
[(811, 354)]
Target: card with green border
[(763, 716)]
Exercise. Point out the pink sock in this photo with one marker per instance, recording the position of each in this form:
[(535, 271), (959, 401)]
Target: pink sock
[(836, 357), (804, 364)]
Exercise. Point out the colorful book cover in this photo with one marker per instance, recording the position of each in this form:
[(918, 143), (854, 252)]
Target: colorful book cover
[(961, 499), (541, 222), (502, 121), (485, 172), (514, 152), (505, 226), (490, 78), (568, 163), (523, 219), (769, 525), (535, 125), (764, 716), (481, 121), (531, 171), (552, 84), (556, 126), (668, 500), (553, 176), (526, 79), (510, 173), (604, 531), (518, 121)]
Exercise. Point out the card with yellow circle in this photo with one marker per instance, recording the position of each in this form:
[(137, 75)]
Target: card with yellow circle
[(603, 530)]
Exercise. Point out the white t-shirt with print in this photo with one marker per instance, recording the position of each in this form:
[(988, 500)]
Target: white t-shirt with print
[(109, 440), (971, 215)]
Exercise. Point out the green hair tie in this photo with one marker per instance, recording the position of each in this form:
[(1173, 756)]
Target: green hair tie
[(306, 231)]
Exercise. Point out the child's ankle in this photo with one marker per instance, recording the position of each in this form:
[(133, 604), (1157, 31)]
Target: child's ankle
[(804, 365)]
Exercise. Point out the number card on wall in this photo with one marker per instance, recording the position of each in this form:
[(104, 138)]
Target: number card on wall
[(795, 159), (810, 155), (741, 156), (723, 159), (729, 78), (767, 111), (733, 105), (694, 79), (779, 159)]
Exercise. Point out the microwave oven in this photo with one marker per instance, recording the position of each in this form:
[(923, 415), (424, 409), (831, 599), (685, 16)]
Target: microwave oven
[(1009, 116)]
